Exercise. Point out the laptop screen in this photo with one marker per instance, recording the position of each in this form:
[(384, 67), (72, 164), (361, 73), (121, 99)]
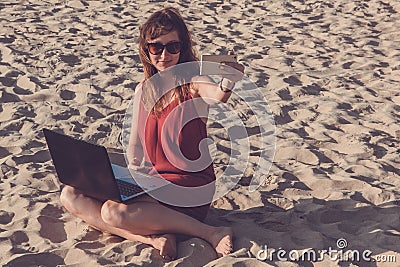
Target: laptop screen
[(82, 165)]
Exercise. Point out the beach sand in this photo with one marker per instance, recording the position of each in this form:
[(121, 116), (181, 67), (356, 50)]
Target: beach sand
[(329, 70)]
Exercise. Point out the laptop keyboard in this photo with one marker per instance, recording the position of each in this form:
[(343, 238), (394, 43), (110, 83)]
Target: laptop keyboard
[(127, 189)]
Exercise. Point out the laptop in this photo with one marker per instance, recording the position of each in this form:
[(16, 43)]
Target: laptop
[(87, 167)]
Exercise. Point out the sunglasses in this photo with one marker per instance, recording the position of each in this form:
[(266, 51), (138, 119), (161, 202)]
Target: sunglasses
[(158, 48)]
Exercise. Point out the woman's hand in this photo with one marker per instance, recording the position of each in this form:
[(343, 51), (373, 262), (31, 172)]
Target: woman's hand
[(133, 167), (137, 168), (134, 163), (235, 70)]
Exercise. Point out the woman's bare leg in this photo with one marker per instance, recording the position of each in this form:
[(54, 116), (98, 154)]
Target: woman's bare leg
[(88, 209), (142, 219), (147, 218)]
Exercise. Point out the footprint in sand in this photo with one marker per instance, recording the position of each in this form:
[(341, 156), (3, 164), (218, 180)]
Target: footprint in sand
[(52, 229), (6, 217)]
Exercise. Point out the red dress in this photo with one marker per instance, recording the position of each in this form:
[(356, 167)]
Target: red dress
[(178, 126)]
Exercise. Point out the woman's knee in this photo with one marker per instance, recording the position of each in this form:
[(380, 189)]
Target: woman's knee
[(68, 198), (112, 213), (115, 214)]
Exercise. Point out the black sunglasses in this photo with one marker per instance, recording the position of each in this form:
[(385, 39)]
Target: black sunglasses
[(158, 48)]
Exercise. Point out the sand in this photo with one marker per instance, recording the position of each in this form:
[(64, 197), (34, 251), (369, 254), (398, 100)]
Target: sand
[(329, 70)]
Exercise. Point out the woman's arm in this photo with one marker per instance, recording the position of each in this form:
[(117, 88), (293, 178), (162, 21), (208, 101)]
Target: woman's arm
[(206, 88), (134, 151)]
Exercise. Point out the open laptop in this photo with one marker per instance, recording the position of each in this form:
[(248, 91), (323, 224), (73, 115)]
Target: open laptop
[(87, 167)]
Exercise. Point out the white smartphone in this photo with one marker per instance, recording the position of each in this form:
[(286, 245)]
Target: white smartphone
[(210, 64)]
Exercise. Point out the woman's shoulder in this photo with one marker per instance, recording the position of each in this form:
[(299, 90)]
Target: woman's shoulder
[(139, 86)]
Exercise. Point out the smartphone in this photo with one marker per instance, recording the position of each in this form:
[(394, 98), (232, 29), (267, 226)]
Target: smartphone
[(210, 64)]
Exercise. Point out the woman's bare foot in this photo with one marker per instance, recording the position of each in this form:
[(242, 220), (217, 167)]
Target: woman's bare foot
[(166, 244), (221, 240)]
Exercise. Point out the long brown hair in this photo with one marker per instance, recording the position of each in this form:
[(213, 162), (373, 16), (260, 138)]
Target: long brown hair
[(160, 23)]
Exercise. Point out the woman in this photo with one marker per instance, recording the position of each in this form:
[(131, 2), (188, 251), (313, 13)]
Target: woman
[(164, 42)]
